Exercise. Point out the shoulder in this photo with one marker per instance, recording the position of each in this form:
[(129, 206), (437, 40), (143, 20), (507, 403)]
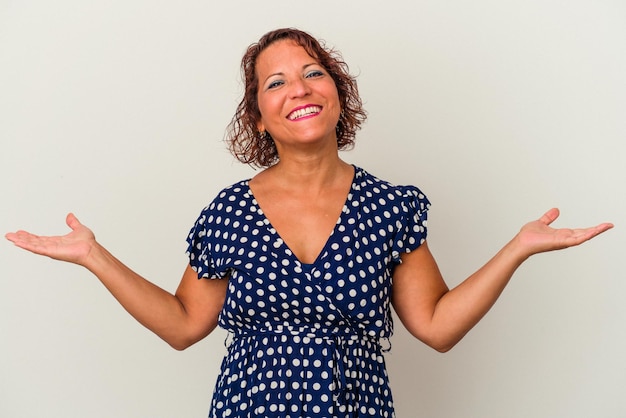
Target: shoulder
[(233, 199), (233, 193), (374, 187)]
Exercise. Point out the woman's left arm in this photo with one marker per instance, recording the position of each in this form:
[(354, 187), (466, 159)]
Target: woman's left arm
[(441, 317)]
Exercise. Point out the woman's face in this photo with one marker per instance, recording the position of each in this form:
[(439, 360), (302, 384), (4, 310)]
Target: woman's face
[(297, 98)]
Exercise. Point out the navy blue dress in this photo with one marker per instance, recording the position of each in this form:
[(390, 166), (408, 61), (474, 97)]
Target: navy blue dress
[(307, 339)]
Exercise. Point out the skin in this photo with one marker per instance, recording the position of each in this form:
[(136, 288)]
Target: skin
[(302, 196)]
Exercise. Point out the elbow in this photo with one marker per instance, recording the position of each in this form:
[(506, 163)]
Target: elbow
[(179, 346), (437, 343), (182, 341), (441, 342), (442, 348), (441, 345)]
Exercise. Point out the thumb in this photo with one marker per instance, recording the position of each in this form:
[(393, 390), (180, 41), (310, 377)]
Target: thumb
[(550, 216), (72, 221)]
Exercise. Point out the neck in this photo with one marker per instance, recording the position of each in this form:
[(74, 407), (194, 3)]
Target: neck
[(309, 173)]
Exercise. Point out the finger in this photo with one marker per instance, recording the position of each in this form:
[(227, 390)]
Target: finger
[(18, 236), (549, 216), (597, 230), (604, 227), (25, 240), (581, 235), (72, 221)]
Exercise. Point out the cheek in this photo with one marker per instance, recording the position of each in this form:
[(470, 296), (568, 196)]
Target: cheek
[(337, 106), (334, 93), (267, 106)]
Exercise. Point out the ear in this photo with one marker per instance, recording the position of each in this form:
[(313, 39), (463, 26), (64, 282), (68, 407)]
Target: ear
[(260, 126)]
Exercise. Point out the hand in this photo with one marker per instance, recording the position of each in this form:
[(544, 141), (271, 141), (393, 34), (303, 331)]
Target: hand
[(73, 247), (537, 236)]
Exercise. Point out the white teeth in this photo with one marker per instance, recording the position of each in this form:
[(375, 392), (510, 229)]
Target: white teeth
[(304, 112)]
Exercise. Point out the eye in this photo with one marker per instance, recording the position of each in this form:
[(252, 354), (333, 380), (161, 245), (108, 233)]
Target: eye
[(314, 73), (274, 84)]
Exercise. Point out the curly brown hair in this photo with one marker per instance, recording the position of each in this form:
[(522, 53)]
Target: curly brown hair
[(244, 140)]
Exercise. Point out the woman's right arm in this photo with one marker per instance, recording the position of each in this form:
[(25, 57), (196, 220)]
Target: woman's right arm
[(181, 319)]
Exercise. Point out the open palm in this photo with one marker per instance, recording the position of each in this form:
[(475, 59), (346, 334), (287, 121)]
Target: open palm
[(538, 236), (73, 247)]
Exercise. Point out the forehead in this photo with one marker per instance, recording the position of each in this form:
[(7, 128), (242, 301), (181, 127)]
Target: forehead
[(281, 54)]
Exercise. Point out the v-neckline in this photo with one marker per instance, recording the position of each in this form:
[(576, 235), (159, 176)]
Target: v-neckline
[(284, 243)]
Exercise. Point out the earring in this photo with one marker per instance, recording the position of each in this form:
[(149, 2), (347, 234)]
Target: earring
[(263, 135)]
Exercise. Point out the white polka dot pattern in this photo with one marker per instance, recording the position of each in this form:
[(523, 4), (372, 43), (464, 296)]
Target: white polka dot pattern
[(306, 336)]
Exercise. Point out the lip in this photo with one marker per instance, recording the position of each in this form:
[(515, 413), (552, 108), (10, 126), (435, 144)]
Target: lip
[(315, 110)]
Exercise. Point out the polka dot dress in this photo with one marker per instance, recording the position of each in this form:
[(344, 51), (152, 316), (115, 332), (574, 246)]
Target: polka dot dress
[(307, 339)]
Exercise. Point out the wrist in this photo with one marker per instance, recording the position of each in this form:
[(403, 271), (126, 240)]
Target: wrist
[(517, 250), (95, 257)]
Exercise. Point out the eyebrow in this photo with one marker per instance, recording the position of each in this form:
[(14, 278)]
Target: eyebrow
[(305, 66)]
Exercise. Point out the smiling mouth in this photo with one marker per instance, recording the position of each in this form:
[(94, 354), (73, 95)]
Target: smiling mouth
[(304, 112)]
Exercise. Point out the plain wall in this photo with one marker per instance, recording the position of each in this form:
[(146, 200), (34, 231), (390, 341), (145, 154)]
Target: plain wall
[(498, 110)]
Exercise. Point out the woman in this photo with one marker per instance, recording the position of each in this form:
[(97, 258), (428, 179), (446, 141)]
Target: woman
[(304, 254)]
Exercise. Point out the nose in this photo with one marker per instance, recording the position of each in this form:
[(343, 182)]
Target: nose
[(299, 88)]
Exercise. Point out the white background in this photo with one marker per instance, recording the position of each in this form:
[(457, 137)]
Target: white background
[(498, 110)]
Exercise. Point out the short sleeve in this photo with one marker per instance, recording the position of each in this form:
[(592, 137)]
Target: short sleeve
[(199, 247), (412, 226)]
